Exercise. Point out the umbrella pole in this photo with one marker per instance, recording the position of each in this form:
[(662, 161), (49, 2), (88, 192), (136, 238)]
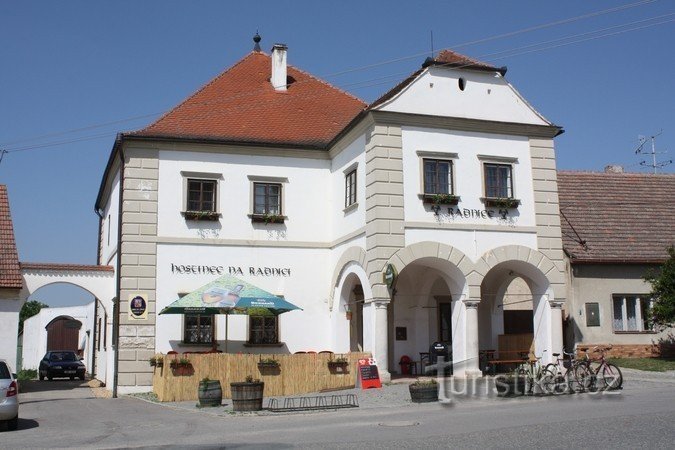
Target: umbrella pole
[(227, 316)]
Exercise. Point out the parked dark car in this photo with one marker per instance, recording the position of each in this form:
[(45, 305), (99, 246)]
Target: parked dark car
[(61, 364)]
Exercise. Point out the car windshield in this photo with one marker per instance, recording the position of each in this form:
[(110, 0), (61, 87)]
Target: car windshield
[(63, 356), (4, 371)]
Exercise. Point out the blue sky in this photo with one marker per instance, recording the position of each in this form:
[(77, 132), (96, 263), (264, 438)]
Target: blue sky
[(79, 64)]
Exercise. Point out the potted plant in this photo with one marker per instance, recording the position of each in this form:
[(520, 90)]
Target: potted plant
[(247, 395), (180, 366), (201, 215), (209, 392), (267, 218), (441, 199), (157, 361), (338, 363), (269, 366), (423, 391), (502, 202)]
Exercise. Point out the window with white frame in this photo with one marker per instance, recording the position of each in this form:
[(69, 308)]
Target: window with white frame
[(267, 198), (200, 195), (631, 313), (350, 188), (498, 180), (437, 176)]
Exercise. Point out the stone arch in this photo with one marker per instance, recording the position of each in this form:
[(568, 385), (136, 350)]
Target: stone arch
[(99, 281), (355, 255), (428, 249), (526, 255)]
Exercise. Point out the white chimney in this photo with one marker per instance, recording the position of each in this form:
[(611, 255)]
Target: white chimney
[(279, 67)]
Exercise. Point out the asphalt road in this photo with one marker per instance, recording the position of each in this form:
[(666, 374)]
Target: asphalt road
[(66, 414)]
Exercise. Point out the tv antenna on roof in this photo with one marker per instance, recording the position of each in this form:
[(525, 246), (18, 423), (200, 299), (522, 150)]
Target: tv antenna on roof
[(642, 140)]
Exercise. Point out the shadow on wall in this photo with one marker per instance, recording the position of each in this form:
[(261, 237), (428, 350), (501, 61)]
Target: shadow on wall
[(233, 346)]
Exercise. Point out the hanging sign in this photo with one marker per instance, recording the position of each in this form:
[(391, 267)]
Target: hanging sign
[(368, 374), (138, 306), (389, 275)]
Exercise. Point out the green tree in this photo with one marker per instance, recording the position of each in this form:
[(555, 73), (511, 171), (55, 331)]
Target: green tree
[(663, 292), (29, 309)]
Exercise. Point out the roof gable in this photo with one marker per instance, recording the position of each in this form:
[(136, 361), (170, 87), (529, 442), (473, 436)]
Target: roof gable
[(454, 85), (10, 272), (240, 105), (616, 217)]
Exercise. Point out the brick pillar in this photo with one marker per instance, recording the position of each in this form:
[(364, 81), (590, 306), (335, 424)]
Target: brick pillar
[(138, 267), (384, 225)]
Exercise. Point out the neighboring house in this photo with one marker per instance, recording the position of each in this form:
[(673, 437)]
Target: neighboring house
[(66, 328), (616, 226), (392, 225), (11, 283)]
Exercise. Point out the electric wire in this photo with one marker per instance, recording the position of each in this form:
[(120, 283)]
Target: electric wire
[(385, 79)]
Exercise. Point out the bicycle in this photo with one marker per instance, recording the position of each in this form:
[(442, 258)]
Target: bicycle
[(605, 375), (537, 376), (570, 374)]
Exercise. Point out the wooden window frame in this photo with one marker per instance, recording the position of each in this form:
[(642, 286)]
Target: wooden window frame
[(350, 188), (209, 317), (200, 203), (451, 176), (252, 340), (510, 188)]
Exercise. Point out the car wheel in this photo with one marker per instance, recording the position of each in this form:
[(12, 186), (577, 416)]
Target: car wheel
[(42, 376), (13, 424), (82, 377), (50, 378), (72, 378)]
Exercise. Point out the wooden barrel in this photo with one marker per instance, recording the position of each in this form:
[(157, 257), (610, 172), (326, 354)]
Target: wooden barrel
[(210, 393), (424, 393), (247, 396)]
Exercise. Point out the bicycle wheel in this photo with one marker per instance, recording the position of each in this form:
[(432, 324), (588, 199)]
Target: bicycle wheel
[(611, 377), (547, 382), (581, 378)]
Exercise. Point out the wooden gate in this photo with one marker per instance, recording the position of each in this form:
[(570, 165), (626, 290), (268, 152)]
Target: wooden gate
[(63, 334)]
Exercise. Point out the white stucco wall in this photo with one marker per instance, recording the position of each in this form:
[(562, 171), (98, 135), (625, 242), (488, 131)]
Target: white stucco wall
[(468, 174), (345, 221), (35, 333), (110, 223), (10, 305), (487, 96), (304, 196), (305, 287)]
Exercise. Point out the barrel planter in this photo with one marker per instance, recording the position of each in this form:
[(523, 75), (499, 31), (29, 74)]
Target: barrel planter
[(247, 396), (423, 393), (210, 393)]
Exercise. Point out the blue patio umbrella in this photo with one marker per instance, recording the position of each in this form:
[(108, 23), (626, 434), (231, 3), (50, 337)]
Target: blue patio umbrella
[(229, 295)]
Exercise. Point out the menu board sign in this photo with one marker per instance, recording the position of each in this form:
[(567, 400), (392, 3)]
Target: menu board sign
[(368, 374)]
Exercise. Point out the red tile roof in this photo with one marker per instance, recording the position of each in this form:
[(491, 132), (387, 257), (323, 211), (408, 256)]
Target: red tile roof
[(621, 217), (241, 106), (453, 59), (445, 58), (10, 275), (29, 266)]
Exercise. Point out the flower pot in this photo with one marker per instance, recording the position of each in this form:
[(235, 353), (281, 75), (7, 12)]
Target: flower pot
[(338, 366), (247, 396), (210, 393), (423, 393)]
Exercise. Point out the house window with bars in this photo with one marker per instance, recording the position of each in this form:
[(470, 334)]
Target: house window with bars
[(198, 329), (263, 330)]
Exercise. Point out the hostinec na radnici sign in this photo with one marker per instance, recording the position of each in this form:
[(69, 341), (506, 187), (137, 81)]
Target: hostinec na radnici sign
[(231, 270)]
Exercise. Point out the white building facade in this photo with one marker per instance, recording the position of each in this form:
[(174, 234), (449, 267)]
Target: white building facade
[(447, 184)]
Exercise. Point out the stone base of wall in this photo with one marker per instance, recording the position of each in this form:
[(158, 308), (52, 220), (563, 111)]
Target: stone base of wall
[(655, 350)]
